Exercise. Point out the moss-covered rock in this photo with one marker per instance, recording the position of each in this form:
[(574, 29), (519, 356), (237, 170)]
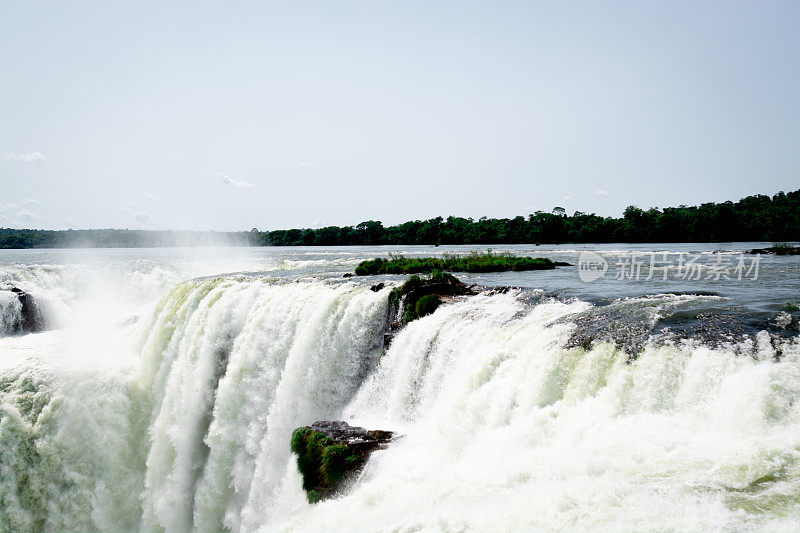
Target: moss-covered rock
[(330, 451), (418, 296), (427, 305)]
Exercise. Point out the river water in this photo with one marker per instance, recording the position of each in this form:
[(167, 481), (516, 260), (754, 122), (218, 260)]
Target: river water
[(662, 396)]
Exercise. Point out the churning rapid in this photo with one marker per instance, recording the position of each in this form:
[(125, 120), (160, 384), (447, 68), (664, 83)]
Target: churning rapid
[(163, 393)]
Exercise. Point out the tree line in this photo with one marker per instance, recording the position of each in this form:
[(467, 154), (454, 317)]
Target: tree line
[(754, 218)]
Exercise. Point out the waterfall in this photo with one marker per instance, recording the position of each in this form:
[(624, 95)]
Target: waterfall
[(228, 370), (506, 429), (505, 425)]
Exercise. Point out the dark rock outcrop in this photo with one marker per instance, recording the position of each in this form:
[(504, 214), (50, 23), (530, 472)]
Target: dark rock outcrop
[(329, 452), (777, 249), (377, 287), (30, 319), (418, 297)]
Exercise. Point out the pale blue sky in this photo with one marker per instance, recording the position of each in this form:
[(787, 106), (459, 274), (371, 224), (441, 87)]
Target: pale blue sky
[(230, 115)]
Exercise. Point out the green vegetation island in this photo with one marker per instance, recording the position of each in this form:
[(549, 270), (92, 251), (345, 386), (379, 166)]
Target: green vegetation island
[(474, 262), (754, 218)]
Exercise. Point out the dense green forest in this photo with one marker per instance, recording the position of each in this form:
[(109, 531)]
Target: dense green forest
[(755, 218)]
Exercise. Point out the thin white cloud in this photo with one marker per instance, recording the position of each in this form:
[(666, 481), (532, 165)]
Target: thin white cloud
[(175, 154), (14, 216), (497, 200), (601, 192), (304, 164), (27, 216), (33, 157), (143, 218), (567, 198), (30, 201), (152, 197), (138, 214), (236, 184)]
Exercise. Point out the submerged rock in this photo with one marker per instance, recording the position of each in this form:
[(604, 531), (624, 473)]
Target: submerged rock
[(30, 318), (328, 452)]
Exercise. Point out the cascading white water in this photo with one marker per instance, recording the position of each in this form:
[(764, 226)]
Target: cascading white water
[(10, 313), (200, 429), (67, 460), (507, 430), (229, 369), (503, 427)]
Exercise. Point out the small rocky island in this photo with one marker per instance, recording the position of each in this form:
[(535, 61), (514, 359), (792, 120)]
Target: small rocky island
[(329, 452), (777, 249)]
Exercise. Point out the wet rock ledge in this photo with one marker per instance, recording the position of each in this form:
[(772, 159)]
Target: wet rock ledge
[(30, 318), (329, 452)]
